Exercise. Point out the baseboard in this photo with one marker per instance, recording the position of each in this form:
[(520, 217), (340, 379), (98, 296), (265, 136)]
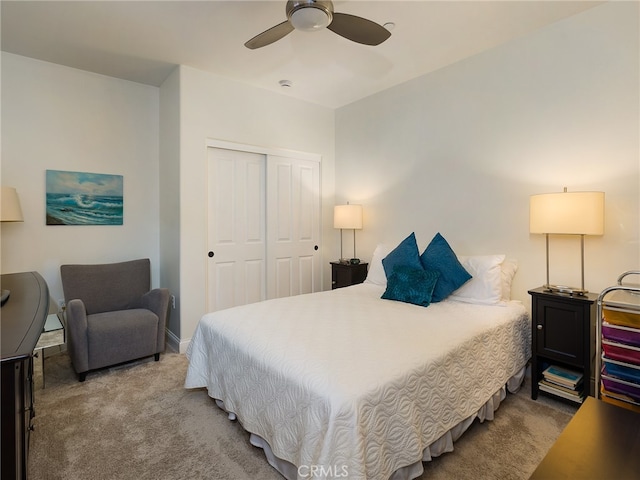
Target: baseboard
[(176, 344)]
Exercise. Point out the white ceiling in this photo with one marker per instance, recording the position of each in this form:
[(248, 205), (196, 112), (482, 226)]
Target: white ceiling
[(143, 41)]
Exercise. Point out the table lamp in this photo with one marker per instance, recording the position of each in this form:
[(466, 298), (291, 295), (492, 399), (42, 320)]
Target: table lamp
[(10, 211), (349, 217), (567, 213)]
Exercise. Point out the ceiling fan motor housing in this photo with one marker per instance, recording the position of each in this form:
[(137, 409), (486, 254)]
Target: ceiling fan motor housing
[(309, 15)]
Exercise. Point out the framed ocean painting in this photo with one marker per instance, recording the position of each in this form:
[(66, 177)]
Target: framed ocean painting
[(78, 198)]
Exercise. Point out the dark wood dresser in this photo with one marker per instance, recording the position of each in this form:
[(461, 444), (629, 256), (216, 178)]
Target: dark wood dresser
[(21, 321)]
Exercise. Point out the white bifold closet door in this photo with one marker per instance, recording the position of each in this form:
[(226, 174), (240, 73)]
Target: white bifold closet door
[(263, 227), (236, 225), (293, 226)]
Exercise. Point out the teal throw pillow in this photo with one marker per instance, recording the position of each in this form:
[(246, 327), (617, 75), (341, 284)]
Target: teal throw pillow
[(406, 253), (440, 257), (411, 285)]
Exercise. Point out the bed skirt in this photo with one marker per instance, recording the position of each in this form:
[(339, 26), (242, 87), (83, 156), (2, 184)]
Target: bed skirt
[(442, 445)]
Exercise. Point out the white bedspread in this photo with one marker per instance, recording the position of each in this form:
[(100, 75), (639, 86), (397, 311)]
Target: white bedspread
[(350, 382)]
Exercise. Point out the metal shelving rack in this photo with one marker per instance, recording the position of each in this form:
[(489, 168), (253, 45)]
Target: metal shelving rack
[(627, 302)]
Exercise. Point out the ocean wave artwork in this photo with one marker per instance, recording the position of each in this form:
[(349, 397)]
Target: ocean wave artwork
[(78, 198)]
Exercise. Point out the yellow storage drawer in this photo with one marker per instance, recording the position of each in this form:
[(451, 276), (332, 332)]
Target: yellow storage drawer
[(622, 308), (621, 317), (619, 400)]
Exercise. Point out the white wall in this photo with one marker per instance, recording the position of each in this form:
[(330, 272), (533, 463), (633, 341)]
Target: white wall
[(59, 118), (212, 107), (170, 197), (461, 150)]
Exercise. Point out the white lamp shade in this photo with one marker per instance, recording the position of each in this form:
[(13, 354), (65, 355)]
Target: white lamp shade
[(10, 210), (567, 213), (347, 216)]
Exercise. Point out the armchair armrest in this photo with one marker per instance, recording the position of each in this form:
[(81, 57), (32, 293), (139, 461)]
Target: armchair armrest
[(157, 300), (78, 343)]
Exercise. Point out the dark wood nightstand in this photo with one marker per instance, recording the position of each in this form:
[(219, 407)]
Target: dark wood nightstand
[(345, 274), (562, 334)]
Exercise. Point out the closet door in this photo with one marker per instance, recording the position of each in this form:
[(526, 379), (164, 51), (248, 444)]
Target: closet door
[(293, 226), (236, 228)]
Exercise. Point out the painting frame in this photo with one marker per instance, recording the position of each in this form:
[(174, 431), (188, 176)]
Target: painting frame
[(84, 198)]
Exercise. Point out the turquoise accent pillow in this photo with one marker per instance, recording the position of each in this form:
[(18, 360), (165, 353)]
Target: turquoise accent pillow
[(411, 285), (406, 253), (440, 257)]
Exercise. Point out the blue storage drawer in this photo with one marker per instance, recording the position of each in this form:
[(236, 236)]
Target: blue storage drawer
[(624, 371)]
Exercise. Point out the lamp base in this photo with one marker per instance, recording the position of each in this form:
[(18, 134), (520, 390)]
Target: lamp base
[(5, 296), (354, 261), (565, 289), (344, 261)]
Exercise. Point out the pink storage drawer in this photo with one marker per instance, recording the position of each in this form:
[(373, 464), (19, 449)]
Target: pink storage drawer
[(621, 352), (620, 334)]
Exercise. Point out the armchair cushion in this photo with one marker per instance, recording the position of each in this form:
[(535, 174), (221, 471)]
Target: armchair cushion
[(116, 337)]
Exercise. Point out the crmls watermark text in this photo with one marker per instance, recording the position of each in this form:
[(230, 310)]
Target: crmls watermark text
[(323, 471)]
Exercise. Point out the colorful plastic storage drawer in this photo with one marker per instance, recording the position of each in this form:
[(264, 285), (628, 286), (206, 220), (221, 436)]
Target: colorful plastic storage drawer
[(619, 400), (621, 334), (622, 317), (630, 373), (621, 352), (623, 387)]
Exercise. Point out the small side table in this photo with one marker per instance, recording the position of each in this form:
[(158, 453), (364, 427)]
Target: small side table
[(346, 274), (563, 334), (53, 335)]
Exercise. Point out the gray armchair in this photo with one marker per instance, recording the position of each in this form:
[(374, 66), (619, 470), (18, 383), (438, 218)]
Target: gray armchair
[(112, 316)]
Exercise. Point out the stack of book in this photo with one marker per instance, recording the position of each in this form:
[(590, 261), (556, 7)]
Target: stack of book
[(562, 382)]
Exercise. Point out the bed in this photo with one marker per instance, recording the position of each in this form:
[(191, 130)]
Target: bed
[(344, 383)]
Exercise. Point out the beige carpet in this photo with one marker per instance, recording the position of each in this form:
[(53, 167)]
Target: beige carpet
[(138, 422)]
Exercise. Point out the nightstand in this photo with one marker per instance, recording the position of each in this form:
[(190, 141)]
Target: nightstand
[(345, 274), (562, 335)]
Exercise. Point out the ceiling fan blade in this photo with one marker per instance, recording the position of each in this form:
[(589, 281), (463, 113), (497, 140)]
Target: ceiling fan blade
[(269, 36), (358, 29)]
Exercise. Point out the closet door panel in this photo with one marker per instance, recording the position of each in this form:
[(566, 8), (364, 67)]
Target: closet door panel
[(236, 229), (293, 229), (283, 275)]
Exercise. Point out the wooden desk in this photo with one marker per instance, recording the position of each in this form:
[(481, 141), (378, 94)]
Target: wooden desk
[(600, 442), (21, 322)]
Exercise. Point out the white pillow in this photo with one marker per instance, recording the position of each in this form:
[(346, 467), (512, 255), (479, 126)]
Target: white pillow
[(509, 268), (485, 286), (376, 274)]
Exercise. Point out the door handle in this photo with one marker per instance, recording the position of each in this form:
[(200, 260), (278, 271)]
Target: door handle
[(211, 254)]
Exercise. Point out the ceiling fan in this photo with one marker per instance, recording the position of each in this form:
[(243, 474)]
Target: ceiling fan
[(312, 15)]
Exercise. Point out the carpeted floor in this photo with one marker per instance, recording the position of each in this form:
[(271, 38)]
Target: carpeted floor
[(138, 422)]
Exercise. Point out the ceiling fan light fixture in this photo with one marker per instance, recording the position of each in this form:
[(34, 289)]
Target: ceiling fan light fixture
[(310, 18), (314, 15)]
